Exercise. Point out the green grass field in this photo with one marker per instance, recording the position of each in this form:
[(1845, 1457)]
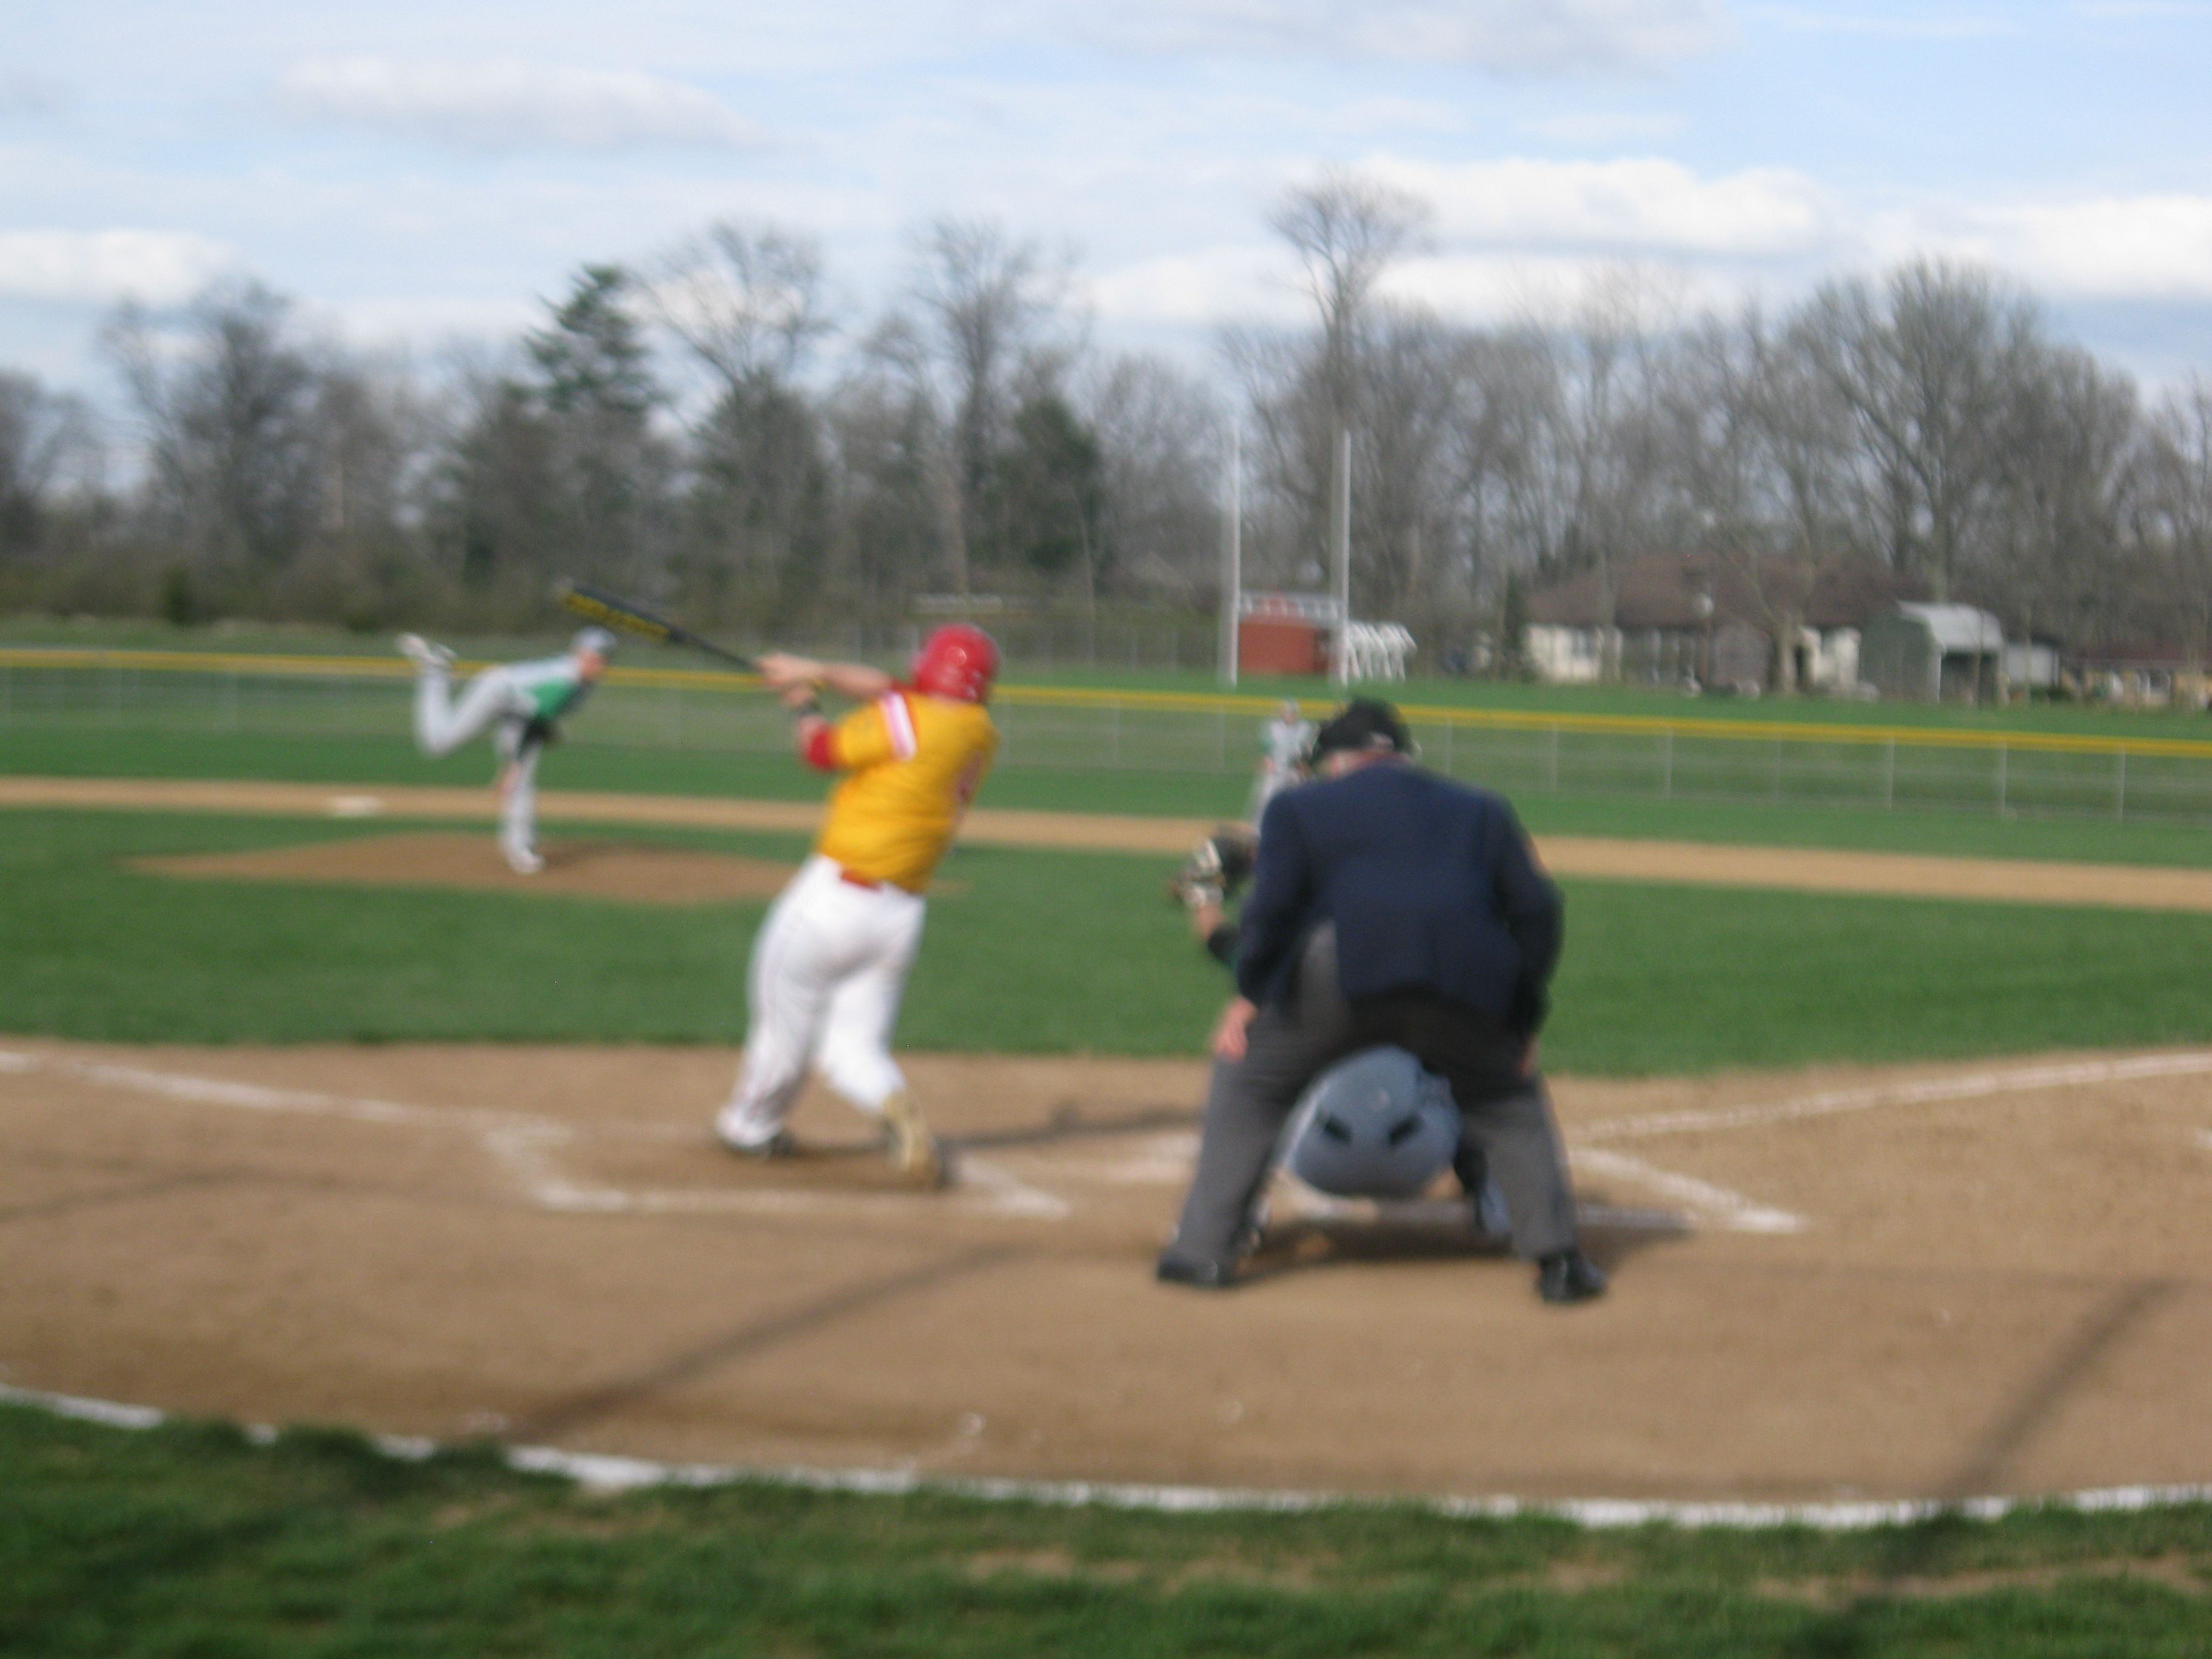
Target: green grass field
[(1031, 952), (187, 1541), (340, 759)]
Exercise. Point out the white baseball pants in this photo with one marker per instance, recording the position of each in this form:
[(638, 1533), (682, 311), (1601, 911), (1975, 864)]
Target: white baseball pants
[(443, 724), (828, 970)]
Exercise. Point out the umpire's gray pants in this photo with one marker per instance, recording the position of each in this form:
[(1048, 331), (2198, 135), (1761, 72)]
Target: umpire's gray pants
[(1506, 1115)]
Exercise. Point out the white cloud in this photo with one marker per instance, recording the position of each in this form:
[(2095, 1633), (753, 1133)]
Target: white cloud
[(1553, 289), (1914, 25), (510, 105), (1215, 285), (1599, 128), (157, 267), (2148, 247), (1543, 36), (1635, 206)]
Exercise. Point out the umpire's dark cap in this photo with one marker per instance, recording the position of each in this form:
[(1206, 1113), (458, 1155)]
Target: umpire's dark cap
[(1364, 723)]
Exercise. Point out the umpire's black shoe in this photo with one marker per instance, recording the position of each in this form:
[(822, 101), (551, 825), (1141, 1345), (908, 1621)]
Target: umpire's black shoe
[(1567, 1276), (1202, 1272)]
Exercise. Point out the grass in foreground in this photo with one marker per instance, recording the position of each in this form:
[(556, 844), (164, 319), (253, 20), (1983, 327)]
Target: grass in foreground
[(187, 1540), (1028, 952)]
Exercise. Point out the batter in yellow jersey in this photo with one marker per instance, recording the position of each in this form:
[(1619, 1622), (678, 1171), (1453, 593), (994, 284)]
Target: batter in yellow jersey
[(831, 962), (911, 762)]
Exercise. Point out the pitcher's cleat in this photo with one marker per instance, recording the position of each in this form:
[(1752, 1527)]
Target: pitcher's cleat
[(423, 655), (523, 860), (913, 1152)]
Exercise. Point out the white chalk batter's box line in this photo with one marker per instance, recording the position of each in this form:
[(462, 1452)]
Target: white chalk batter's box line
[(600, 1473), (528, 1148)]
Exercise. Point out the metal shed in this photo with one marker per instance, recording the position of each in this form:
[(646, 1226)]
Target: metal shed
[(1933, 653)]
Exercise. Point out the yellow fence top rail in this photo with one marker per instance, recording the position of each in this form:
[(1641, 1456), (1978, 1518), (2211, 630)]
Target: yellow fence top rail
[(1515, 720)]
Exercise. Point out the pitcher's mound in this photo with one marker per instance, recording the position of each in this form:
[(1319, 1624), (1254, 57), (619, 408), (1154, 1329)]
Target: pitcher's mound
[(592, 869)]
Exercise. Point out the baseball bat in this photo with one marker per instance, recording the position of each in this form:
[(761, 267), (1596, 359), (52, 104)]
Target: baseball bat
[(611, 610)]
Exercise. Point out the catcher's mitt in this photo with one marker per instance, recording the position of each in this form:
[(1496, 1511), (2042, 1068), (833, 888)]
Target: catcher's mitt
[(1216, 868)]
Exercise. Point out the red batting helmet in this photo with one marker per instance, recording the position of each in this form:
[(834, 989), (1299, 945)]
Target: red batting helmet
[(957, 661)]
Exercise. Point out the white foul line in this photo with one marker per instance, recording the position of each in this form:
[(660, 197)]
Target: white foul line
[(524, 1146), (1979, 1084)]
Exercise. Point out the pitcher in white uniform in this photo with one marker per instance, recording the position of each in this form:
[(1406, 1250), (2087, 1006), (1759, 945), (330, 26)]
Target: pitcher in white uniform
[(522, 703)]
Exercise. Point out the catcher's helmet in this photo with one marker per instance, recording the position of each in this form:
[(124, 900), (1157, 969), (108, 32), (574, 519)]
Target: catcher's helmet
[(1374, 1125), (958, 661)]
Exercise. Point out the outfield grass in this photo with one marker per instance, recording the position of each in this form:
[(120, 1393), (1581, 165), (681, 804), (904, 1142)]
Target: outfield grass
[(127, 752), (1027, 952), (187, 1540)]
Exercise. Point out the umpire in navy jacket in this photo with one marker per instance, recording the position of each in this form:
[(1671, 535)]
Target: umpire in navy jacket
[(1388, 906)]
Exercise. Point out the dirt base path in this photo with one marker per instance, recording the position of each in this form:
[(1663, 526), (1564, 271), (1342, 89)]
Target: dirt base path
[(1846, 1283), (2009, 880)]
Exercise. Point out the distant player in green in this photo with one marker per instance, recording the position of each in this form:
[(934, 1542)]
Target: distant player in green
[(522, 703)]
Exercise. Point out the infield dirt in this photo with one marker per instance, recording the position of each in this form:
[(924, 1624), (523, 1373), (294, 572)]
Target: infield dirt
[(1932, 1282)]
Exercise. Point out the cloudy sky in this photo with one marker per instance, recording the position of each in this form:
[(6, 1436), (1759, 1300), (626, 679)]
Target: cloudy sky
[(428, 169)]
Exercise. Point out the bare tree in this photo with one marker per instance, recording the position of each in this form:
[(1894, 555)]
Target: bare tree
[(1928, 366), (1346, 230), (49, 449), (744, 300), (1160, 435), (894, 492), (1762, 454), (988, 302), (1407, 492), (229, 428), (745, 303), (2177, 506), (1608, 439), (2056, 557)]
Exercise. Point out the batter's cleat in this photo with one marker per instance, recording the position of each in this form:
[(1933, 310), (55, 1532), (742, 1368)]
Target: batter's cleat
[(781, 1145), (1200, 1272), (1568, 1276), (423, 655), (913, 1152)]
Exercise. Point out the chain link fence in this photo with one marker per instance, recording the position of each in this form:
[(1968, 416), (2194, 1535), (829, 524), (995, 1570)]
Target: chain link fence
[(1522, 754)]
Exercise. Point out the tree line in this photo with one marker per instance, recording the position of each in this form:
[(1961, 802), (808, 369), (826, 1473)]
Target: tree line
[(699, 428)]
